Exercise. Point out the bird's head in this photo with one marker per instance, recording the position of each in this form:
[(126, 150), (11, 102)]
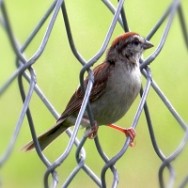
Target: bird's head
[(128, 47)]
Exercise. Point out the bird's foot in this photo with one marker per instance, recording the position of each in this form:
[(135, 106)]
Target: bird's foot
[(92, 131), (130, 132)]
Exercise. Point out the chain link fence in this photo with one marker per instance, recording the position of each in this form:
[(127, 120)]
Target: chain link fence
[(107, 175)]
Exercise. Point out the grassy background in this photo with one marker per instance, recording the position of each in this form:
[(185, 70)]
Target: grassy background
[(57, 74)]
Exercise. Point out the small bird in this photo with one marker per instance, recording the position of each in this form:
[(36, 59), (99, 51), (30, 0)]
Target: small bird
[(117, 82)]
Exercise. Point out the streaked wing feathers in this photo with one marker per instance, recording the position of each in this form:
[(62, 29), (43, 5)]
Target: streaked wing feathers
[(101, 73)]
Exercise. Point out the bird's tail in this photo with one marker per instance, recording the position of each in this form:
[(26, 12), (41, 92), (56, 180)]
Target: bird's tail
[(46, 138)]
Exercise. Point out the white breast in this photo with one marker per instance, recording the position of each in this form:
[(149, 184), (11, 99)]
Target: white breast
[(122, 88)]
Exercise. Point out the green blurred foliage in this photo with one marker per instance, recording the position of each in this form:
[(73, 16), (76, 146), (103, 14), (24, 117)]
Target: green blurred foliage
[(57, 73)]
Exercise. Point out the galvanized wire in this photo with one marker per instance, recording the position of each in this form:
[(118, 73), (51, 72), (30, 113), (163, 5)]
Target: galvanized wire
[(25, 71)]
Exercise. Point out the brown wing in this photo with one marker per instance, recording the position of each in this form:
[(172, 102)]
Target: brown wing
[(100, 81)]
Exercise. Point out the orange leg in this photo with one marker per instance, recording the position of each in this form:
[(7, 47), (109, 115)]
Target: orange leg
[(128, 132)]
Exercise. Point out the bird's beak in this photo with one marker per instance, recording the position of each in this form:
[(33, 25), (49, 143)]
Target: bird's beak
[(147, 44)]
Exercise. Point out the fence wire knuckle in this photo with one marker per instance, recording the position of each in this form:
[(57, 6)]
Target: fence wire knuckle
[(26, 77)]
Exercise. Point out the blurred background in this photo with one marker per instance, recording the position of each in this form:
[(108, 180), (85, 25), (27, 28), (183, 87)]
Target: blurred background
[(57, 72)]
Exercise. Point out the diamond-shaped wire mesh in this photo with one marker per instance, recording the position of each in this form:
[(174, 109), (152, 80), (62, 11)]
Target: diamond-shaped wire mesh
[(26, 62)]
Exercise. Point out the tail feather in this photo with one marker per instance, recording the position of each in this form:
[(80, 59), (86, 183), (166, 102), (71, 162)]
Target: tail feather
[(46, 138)]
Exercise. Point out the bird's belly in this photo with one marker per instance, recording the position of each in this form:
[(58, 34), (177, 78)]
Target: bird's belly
[(111, 113), (121, 90), (109, 109)]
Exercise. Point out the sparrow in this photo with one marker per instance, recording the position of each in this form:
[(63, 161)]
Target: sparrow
[(117, 82)]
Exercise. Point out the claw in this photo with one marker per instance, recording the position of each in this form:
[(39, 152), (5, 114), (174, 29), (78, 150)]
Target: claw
[(130, 132), (92, 132)]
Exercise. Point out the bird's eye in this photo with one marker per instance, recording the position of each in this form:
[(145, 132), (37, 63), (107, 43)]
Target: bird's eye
[(136, 42)]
